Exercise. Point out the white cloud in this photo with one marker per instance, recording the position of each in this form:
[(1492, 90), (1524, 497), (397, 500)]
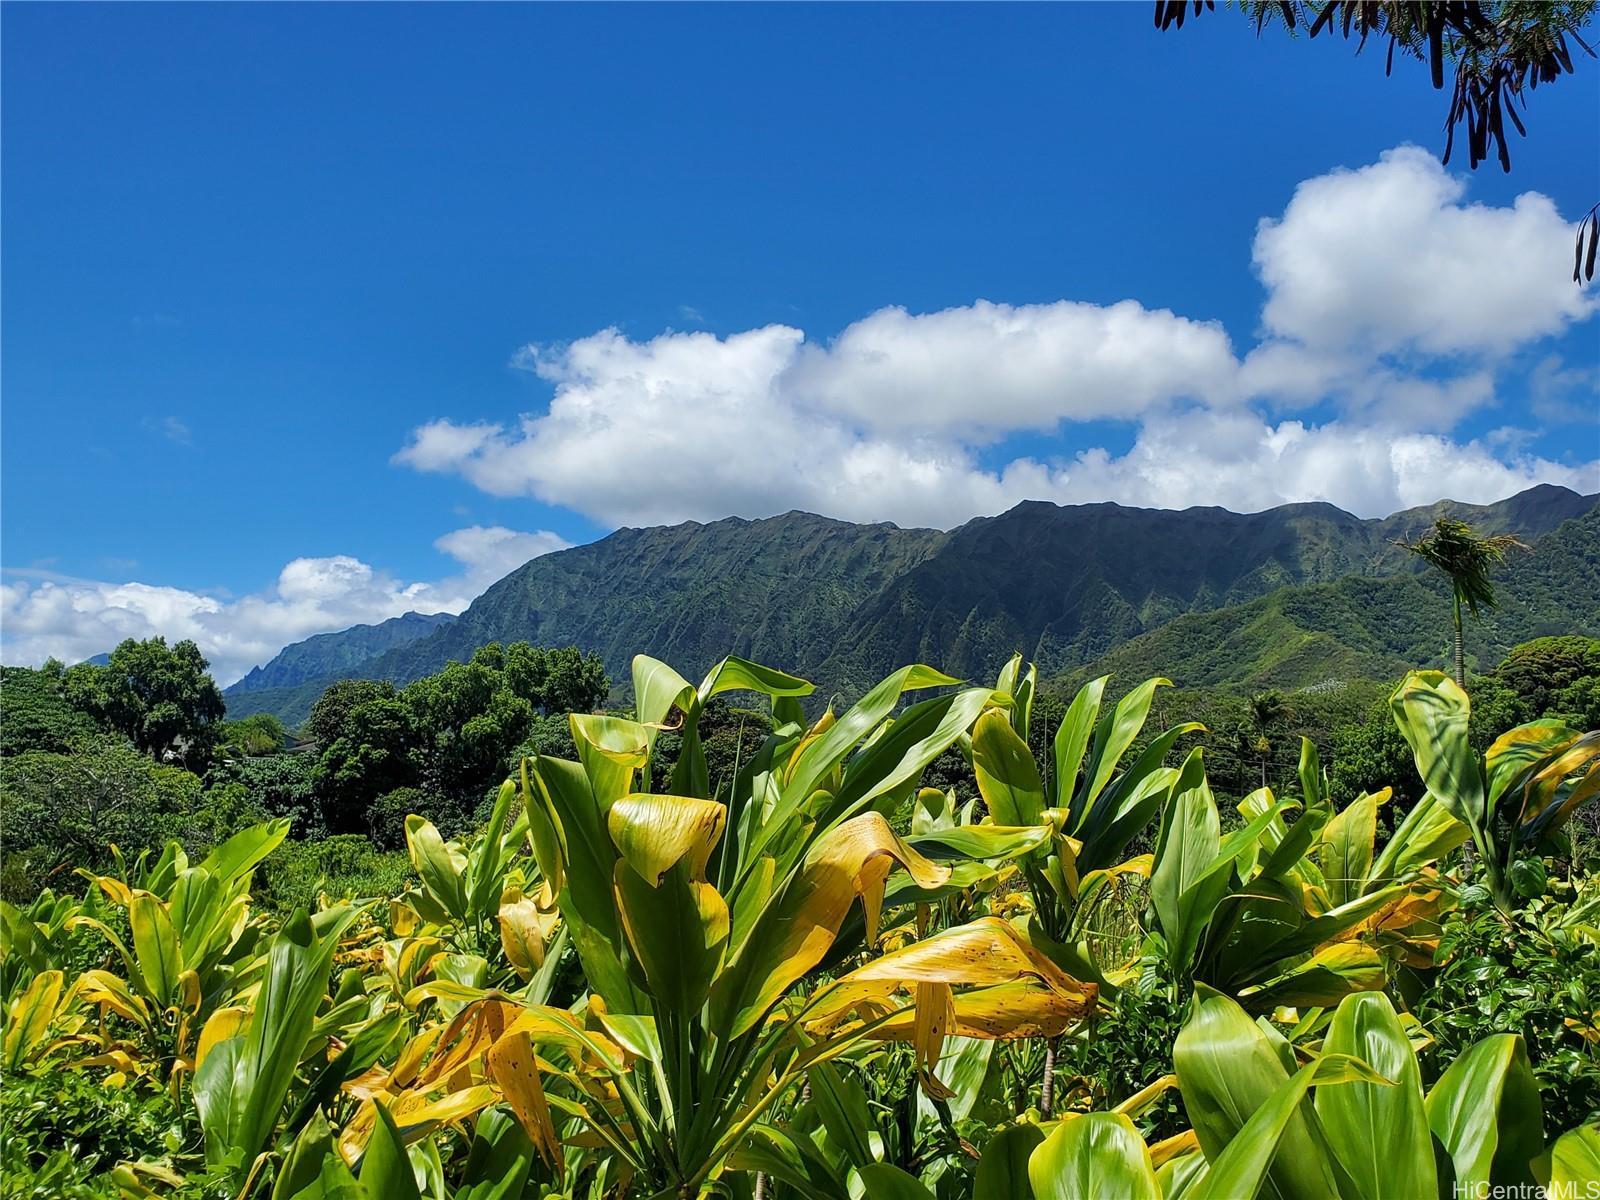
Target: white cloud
[(1387, 296), (72, 619), (999, 368), (1388, 259)]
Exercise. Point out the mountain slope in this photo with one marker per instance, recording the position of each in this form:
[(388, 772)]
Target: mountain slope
[(1066, 584), (843, 604), (1370, 628), (330, 653)]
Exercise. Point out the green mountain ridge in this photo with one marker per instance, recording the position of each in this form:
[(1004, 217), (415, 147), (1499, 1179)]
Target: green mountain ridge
[(327, 654), (843, 604), (1354, 628)]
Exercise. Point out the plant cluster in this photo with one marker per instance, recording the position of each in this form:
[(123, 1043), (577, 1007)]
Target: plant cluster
[(727, 952)]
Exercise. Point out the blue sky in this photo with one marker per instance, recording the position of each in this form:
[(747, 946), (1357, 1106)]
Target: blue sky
[(279, 282)]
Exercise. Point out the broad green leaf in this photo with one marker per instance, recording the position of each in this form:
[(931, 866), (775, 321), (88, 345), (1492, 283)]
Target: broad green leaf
[(842, 1106), (988, 843), (1320, 979), (155, 943), (1240, 1172), (822, 754), (1097, 1154), (245, 849), (1003, 1169), (1072, 739), (1007, 776), (1575, 1163), (1186, 850), (1486, 1111), (1112, 737), (29, 1016), (241, 1086), (499, 1160), (885, 1182), (735, 674), (1345, 854), (1360, 1117), (678, 931), (441, 867), (1426, 834), (588, 902), (1432, 713), (385, 1167), (1228, 1071)]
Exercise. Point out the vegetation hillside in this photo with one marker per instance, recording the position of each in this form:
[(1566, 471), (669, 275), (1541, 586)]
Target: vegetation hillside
[(332, 653), (842, 603), (1363, 628)]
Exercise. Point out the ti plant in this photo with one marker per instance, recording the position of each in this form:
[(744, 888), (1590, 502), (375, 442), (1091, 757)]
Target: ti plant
[(1515, 798), (1276, 913), (194, 945), (1344, 1120), (1093, 803), (698, 921)]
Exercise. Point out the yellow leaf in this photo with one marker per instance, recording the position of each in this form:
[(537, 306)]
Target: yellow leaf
[(514, 1068), (653, 833), (222, 1025)]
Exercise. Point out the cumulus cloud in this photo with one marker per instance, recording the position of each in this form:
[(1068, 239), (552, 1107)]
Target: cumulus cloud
[(1388, 297), (1388, 258), (71, 619), (995, 367)]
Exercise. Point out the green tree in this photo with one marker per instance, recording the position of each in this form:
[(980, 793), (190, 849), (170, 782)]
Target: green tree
[(375, 754), (280, 783), (326, 724), (1368, 755), (1268, 710), (158, 697), (1456, 551), (252, 736), (35, 713), (1494, 52), (1544, 671), (67, 809)]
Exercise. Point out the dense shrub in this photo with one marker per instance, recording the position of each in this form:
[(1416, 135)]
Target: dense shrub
[(343, 866), (1528, 973)]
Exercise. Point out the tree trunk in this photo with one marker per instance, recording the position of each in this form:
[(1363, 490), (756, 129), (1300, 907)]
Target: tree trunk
[(761, 1186), (1047, 1090), (1461, 658)]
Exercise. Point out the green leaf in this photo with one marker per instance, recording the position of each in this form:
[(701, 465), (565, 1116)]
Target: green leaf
[(1097, 1154), (891, 1183), (1006, 773), (1359, 1117), (156, 946), (385, 1167), (842, 1106), (1575, 1162), (1240, 1172), (1228, 1071), (1003, 1169), (499, 1161), (441, 867), (240, 1088), (1486, 1111), (1072, 738), (1432, 713)]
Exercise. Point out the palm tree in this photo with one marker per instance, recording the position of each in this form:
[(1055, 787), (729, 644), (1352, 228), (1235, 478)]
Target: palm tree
[(1267, 709), (1455, 549)]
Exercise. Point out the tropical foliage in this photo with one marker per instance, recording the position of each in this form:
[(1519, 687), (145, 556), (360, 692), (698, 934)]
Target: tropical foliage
[(701, 950)]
